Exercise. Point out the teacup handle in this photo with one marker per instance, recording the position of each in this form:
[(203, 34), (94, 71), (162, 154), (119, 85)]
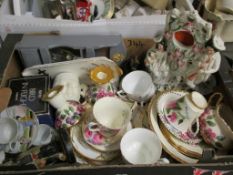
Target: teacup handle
[(198, 127), (122, 95), (94, 127), (217, 94)]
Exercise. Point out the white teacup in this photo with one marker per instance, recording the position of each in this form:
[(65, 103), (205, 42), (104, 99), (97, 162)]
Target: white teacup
[(225, 6), (44, 135), (10, 130), (141, 146), (137, 86), (110, 115)]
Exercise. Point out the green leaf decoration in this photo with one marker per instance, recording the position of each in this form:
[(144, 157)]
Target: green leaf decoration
[(71, 109), (220, 138), (75, 117), (210, 123), (67, 111), (63, 116), (218, 144), (94, 89), (210, 117), (180, 121), (167, 111)]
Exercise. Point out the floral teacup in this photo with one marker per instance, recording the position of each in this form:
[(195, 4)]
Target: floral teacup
[(97, 92)]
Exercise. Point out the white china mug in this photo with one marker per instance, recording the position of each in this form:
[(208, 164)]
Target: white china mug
[(137, 86)]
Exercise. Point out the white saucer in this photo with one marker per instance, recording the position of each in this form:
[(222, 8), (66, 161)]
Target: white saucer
[(173, 127), (171, 150), (85, 150)]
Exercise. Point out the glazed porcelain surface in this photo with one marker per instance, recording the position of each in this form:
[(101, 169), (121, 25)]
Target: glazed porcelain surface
[(146, 150), (178, 125), (170, 149), (181, 54), (29, 122), (85, 150), (214, 129)]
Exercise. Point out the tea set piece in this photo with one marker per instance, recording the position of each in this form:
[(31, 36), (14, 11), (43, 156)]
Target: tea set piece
[(68, 112), (108, 117), (79, 67), (85, 150), (71, 85), (215, 125), (103, 8), (146, 150), (191, 150), (137, 86), (179, 112), (22, 124), (44, 135), (154, 124), (183, 54)]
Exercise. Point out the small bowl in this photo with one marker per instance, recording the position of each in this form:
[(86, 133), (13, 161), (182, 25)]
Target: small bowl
[(141, 146)]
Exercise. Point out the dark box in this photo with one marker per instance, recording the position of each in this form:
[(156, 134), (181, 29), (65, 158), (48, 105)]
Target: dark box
[(28, 91)]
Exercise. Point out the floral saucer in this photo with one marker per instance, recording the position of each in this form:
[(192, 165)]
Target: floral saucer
[(100, 143), (27, 118), (171, 121), (85, 150), (170, 149)]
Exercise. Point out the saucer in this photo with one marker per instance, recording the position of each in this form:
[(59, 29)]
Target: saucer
[(190, 150), (170, 149), (85, 150), (27, 118), (115, 146), (163, 100)]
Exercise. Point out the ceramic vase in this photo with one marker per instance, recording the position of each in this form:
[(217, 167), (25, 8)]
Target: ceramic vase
[(69, 112)]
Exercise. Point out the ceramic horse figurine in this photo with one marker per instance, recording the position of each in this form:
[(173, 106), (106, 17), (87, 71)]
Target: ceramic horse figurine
[(185, 52)]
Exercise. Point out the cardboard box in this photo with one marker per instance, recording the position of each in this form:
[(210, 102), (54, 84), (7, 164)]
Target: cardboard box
[(208, 164)]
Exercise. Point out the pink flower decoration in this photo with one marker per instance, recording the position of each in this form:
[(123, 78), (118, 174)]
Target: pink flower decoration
[(172, 117), (102, 93), (209, 134), (80, 109), (184, 136), (199, 171), (97, 139), (58, 123), (172, 105), (87, 133)]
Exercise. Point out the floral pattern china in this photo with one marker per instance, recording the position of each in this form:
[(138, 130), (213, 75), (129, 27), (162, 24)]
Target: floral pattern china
[(165, 102)]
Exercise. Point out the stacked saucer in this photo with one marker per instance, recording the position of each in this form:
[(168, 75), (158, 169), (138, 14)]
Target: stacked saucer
[(91, 146), (182, 146)]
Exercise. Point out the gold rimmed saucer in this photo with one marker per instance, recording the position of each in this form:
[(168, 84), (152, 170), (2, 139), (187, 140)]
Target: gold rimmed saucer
[(171, 150), (83, 149), (190, 150)]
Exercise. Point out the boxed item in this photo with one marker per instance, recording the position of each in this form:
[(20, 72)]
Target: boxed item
[(198, 162)]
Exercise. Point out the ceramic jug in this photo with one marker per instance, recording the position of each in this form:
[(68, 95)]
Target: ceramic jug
[(69, 112), (185, 52)]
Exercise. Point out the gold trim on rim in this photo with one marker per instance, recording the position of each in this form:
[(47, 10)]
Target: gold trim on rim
[(153, 100), (106, 70), (56, 90), (181, 149)]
